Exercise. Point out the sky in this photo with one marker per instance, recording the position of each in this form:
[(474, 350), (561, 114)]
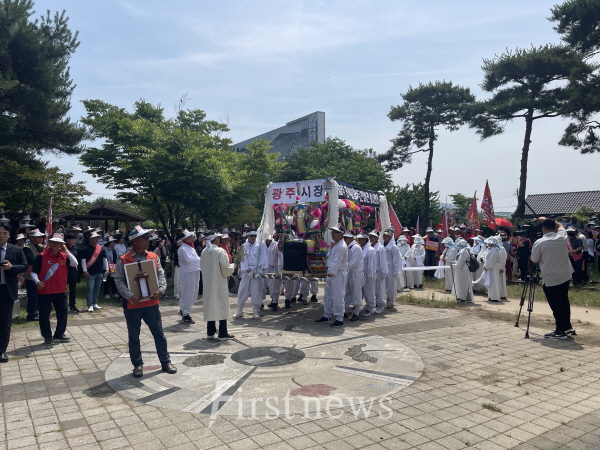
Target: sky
[(257, 65)]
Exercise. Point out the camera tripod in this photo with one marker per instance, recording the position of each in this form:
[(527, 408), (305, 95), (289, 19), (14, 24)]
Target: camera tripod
[(529, 293)]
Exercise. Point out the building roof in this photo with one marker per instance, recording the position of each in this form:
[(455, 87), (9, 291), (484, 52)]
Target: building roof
[(561, 203), (100, 210)]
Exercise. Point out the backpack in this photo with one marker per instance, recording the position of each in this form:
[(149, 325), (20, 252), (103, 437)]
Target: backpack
[(472, 263)]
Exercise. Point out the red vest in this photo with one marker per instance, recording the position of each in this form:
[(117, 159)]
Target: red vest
[(57, 283), (128, 258)]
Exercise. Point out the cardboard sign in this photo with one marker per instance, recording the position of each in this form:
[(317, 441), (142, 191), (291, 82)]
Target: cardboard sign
[(431, 245), (112, 268), (133, 269)]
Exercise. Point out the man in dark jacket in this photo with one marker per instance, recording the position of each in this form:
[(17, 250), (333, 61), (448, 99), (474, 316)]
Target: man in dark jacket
[(12, 262)]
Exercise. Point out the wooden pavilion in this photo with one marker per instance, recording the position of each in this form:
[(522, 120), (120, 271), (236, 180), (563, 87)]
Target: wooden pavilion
[(100, 216)]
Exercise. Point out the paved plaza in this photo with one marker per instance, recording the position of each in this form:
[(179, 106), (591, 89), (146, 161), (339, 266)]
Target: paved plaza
[(417, 377)]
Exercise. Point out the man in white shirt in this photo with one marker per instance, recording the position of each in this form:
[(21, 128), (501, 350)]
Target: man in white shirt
[(381, 267), (392, 254), (255, 262), (368, 290), (552, 255), (275, 266), (354, 283), (337, 274)]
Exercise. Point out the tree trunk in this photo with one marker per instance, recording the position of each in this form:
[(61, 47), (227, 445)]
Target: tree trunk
[(520, 211), (428, 177)]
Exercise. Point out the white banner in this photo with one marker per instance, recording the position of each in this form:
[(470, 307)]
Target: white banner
[(311, 191), (282, 193)]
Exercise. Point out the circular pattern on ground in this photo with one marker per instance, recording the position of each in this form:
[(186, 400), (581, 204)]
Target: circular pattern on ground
[(288, 369)]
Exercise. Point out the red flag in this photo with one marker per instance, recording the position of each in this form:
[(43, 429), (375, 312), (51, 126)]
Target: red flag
[(395, 221), (487, 208), (49, 222), (473, 216), (445, 224)]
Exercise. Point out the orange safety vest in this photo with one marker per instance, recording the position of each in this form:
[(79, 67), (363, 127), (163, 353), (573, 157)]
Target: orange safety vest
[(128, 258)]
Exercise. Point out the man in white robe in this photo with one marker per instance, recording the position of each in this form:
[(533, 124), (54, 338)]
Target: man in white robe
[(368, 289), (215, 270), (463, 282), (417, 259), (255, 262), (354, 284), (503, 257), (479, 250), (381, 268), (275, 266), (189, 276), (392, 255), (448, 258), (493, 262), (337, 274), (407, 277)]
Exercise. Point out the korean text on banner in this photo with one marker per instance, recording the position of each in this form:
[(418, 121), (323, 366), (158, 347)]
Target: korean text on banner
[(311, 191), (282, 193)]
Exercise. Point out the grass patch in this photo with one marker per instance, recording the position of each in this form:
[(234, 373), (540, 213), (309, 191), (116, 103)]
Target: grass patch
[(411, 299), (491, 407)]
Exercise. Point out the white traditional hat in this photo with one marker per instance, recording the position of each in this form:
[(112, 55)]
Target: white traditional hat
[(429, 230), (362, 236), (244, 234), (461, 243), (94, 235), (570, 228), (374, 233), (57, 237), (250, 233), (402, 238), (36, 233), (348, 235), (226, 236), (211, 237), (389, 232), (269, 237), (138, 231), (20, 236), (336, 229), (75, 228), (418, 239)]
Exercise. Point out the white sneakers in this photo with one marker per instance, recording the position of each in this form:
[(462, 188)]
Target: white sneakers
[(238, 313), (107, 296), (256, 315), (116, 296), (90, 309), (96, 307)]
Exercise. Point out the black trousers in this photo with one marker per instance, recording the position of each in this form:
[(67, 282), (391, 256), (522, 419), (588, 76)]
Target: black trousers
[(211, 327), (430, 261), (72, 280), (151, 316), (6, 309), (45, 304), (558, 299), (110, 283), (578, 274), (523, 262)]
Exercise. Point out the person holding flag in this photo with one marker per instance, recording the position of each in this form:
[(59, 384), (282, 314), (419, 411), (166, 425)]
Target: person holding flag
[(49, 273), (95, 266)]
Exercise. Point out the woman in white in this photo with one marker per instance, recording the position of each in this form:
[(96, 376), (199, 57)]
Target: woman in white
[(463, 284), (449, 258), (502, 267), (479, 250), (417, 259), (215, 269), (492, 269), (407, 277), (189, 276)]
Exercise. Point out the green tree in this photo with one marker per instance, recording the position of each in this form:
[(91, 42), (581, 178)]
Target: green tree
[(461, 204), (335, 159), (578, 23), (530, 84), (425, 110), (35, 84), (408, 203)]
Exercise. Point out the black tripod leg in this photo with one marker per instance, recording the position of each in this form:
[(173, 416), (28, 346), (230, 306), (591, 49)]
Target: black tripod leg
[(523, 294), (530, 308)]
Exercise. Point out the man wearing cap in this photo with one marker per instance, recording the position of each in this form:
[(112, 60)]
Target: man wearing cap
[(12, 263), (148, 310), (392, 255), (369, 273), (32, 250), (215, 270), (255, 262), (337, 275), (381, 270), (189, 276), (95, 266), (49, 274), (355, 280), (73, 273), (275, 266)]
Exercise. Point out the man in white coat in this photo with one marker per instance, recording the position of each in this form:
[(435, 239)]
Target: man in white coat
[(189, 276), (381, 270), (393, 259), (493, 261), (355, 278), (448, 258), (463, 282), (335, 286), (255, 262), (368, 289), (479, 250), (215, 270), (407, 277), (275, 266), (417, 259)]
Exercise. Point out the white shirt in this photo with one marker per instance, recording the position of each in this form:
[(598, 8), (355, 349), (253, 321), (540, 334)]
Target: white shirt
[(337, 260), (551, 253), (252, 256), (368, 260), (355, 258), (189, 261), (275, 256), (2, 259), (380, 259), (393, 257)]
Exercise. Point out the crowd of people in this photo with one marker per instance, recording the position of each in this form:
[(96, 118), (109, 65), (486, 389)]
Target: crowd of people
[(364, 273)]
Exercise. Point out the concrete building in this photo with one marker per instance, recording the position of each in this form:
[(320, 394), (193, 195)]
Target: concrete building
[(297, 133)]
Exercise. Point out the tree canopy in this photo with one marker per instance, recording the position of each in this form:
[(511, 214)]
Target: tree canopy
[(35, 83), (408, 202), (336, 159)]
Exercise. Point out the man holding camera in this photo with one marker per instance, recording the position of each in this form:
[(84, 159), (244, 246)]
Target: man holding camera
[(552, 255)]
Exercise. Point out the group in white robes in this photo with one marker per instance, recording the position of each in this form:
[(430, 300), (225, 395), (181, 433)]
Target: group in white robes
[(406, 277), (368, 289), (255, 262), (381, 270), (479, 250), (189, 276), (335, 286), (215, 270), (354, 284), (463, 281), (417, 259)]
